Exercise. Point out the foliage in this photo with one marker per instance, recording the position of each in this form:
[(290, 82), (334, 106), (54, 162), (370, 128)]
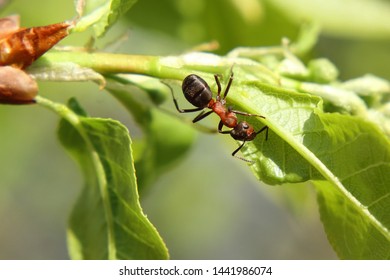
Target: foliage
[(108, 210), (334, 134)]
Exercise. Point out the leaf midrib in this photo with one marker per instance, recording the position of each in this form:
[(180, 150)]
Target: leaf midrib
[(328, 175)]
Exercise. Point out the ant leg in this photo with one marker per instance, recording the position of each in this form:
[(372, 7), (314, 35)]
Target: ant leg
[(201, 116), (220, 125), (245, 113), (236, 150), (239, 148), (228, 85), (219, 87), (266, 132), (177, 105), (185, 110)]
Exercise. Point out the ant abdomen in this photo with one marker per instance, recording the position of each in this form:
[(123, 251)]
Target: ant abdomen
[(196, 91)]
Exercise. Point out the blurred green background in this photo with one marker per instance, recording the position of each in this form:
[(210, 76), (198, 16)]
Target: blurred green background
[(209, 206)]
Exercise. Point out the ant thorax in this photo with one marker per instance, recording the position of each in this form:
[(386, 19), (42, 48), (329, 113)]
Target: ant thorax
[(228, 118)]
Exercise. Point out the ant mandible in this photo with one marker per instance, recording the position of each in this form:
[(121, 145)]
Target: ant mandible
[(198, 93)]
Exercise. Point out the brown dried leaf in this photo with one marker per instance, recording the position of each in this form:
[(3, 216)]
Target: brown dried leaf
[(24, 46), (16, 86)]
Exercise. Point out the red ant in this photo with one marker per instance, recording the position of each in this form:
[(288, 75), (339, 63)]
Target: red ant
[(198, 93)]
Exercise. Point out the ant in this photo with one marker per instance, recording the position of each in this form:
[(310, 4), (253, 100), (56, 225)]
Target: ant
[(198, 93)]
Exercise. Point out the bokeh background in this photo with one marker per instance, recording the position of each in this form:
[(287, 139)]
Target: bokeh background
[(209, 206)]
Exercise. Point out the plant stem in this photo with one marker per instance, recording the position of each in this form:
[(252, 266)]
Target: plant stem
[(60, 109), (106, 63)]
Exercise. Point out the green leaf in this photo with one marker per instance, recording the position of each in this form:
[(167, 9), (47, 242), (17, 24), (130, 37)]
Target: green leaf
[(351, 154), (355, 204), (353, 234), (107, 221), (102, 14), (275, 160)]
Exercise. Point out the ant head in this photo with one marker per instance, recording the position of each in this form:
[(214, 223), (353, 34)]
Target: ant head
[(196, 91), (243, 131)]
